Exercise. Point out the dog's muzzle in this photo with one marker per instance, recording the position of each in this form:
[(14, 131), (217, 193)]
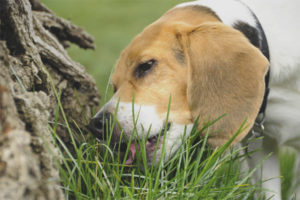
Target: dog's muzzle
[(101, 124)]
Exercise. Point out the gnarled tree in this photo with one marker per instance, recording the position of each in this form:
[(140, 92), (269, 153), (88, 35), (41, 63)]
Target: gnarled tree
[(33, 61)]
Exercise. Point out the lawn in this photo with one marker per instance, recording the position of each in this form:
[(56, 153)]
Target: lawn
[(94, 173)]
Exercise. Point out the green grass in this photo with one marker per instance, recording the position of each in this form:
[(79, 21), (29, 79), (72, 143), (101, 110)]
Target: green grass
[(98, 171), (287, 163)]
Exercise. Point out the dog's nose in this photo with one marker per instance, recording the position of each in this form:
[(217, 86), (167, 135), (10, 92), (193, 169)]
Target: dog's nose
[(101, 124)]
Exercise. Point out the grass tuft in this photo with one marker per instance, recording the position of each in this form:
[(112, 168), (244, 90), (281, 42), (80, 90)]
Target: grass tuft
[(97, 170)]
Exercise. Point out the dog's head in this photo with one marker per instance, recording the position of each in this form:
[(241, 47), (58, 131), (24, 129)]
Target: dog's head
[(192, 65)]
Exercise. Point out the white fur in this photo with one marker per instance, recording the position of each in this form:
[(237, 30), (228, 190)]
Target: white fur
[(147, 121), (145, 117)]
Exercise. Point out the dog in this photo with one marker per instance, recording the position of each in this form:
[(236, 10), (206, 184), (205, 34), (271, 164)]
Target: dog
[(206, 58)]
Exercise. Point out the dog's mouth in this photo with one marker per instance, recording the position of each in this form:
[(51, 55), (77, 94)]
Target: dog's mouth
[(152, 144)]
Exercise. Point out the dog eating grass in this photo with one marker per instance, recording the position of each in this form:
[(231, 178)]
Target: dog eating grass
[(212, 58)]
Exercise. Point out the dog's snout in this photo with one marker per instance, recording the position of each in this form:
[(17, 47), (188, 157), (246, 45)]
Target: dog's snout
[(101, 124)]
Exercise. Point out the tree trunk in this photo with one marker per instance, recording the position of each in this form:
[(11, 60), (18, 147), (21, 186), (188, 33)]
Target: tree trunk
[(33, 61)]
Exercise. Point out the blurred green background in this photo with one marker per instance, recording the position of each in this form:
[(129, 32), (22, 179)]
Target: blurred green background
[(113, 24)]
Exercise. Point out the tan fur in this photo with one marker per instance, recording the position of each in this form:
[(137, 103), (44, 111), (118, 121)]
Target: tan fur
[(222, 72), (226, 76)]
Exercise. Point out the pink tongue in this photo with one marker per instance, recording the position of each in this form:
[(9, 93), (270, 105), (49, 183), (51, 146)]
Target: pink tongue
[(133, 154)]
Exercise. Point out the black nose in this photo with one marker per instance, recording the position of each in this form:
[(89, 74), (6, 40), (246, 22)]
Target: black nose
[(100, 125)]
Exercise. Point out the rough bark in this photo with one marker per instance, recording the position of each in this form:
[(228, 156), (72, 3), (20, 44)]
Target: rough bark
[(33, 59)]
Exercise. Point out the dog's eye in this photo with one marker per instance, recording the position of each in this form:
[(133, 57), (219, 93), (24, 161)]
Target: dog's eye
[(143, 68)]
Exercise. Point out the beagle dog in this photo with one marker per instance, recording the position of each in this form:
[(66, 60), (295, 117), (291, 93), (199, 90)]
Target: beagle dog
[(204, 59)]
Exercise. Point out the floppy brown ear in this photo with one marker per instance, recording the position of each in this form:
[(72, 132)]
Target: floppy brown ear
[(225, 76)]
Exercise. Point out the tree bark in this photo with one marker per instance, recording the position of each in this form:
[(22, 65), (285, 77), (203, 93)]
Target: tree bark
[(33, 59)]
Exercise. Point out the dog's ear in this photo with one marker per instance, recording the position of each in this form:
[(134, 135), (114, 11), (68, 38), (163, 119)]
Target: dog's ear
[(225, 76)]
